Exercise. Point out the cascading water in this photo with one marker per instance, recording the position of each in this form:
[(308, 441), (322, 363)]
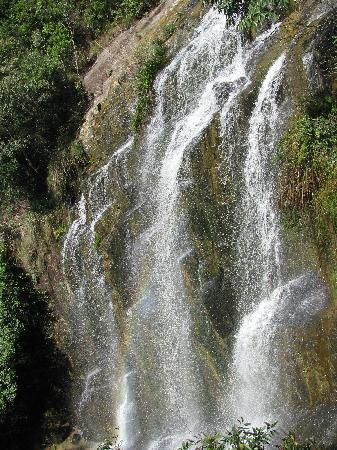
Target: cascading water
[(258, 258), (170, 395), (259, 240), (168, 379), (92, 318), (270, 304)]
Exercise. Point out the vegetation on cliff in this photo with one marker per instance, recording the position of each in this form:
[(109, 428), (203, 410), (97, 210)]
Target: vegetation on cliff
[(155, 60), (308, 158), (42, 102), (308, 155), (252, 13), (244, 436), (32, 371)]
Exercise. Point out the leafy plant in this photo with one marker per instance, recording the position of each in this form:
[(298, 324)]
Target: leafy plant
[(155, 60), (65, 172), (239, 437), (261, 11), (169, 29), (132, 9), (42, 102), (242, 436), (289, 442), (59, 232), (251, 13), (97, 240), (109, 444), (308, 159), (308, 156), (11, 328)]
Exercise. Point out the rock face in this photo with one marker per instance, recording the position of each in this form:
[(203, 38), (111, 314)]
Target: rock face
[(114, 61), (184, 303)]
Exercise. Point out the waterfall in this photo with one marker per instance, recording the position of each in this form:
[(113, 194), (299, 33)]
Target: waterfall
[(270, 304), (258, 374), (170, 396), (91, 316), (258, 258), (161, 383)]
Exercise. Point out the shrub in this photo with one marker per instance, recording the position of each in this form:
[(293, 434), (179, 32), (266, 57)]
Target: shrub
[(33, 373), (109, 445), (290, 442), (41, 97), (147, 72), (252, 13), (242, 436), (97, 240), (239, 437), (245, 437), (308, 156), (37, 102), (129, 10)]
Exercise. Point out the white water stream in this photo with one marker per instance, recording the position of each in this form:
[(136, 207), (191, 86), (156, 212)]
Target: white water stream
[(162, 392), (270, 305), (204, 78), (258, 260), (91, 317)]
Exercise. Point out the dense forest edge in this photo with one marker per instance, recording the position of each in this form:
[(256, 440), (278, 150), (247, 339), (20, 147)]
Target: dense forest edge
[(44, 53)]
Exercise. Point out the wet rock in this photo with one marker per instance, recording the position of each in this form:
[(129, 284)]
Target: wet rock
[(222, 90), (301, 300), (76, 438)]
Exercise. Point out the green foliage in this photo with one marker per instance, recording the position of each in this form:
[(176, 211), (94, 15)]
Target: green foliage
[(252, 13), (245, 437), (97, 240), (36, 100), (59, 232), (169, 29), (65, 172), (31, 370), (155, 60), (240, 437), (308, 155), (262, 11), (133, 9), (289, 442), (42, 102), (107, 445), (95, 13), (335, 53), (10, 330)]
